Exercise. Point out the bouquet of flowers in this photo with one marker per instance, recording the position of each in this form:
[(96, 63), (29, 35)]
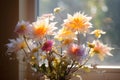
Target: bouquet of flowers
[(58, 53)]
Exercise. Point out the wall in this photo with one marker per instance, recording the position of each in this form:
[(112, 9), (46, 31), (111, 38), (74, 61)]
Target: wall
[(10, 13), (8, 19)]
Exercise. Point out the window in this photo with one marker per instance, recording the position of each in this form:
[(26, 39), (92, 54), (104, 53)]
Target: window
[(105, 15)]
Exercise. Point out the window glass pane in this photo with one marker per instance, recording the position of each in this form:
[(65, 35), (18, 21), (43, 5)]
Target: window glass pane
[(106, 16)]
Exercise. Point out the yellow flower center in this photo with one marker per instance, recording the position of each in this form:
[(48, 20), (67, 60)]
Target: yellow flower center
[(22, 27)]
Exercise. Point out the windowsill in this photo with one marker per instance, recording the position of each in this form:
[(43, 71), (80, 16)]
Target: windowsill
[(109, 67), (101, 73), (106, 67)]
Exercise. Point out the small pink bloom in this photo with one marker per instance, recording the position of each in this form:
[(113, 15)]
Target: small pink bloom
[(76, 52), (47, 46)]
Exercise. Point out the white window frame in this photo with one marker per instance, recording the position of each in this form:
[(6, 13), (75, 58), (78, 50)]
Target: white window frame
[(27, 12)]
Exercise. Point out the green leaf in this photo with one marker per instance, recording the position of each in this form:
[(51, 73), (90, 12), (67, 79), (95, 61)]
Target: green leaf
[(43, 67)]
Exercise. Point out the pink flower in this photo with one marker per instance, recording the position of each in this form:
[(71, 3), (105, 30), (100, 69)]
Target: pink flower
[(100, 49), (47, 46), (23, 28), (76, 52)]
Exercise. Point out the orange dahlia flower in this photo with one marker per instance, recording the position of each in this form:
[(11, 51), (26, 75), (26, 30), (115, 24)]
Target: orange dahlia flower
[(78, 22)]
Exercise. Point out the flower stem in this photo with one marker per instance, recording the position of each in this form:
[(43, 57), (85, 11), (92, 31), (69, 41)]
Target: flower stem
[(61, 49), (82, 64), (25, 52), (78, 37), (70, 67), (26, 43)]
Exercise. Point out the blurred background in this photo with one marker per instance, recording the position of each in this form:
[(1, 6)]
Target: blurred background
[(105, 15)]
